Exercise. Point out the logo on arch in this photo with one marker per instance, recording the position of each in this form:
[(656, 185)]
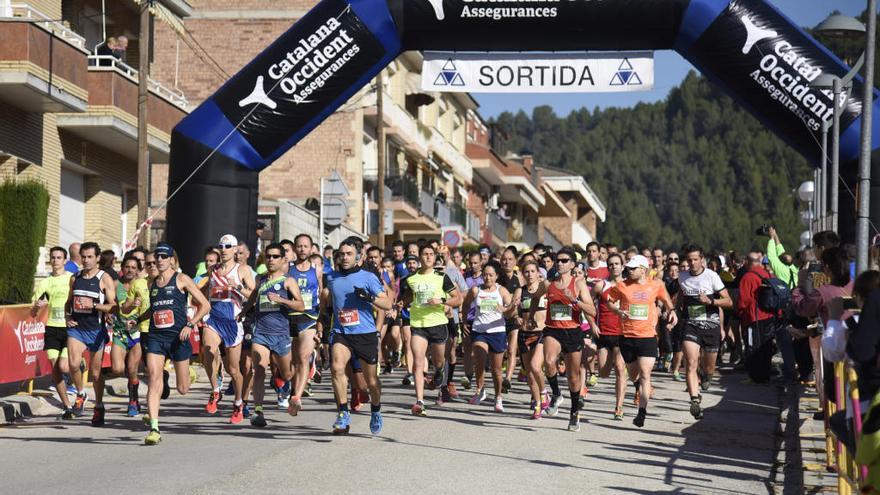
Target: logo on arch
[(449, 75), (626, 75)]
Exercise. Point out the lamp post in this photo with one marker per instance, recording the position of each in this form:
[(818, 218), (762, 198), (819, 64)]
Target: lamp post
[(838, 26), (806, 193), (864, 206)]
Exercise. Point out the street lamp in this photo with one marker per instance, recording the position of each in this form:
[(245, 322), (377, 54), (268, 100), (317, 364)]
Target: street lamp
[(837, 26), (806, 192)]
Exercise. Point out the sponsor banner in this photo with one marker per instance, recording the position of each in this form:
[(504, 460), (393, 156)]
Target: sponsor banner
[(539, 73), (295, 78), (21, 344)]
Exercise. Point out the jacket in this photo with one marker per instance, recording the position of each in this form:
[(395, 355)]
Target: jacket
[(747, 306)]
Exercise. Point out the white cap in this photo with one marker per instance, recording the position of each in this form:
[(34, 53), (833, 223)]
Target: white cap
[(228, 239), (637, 261)]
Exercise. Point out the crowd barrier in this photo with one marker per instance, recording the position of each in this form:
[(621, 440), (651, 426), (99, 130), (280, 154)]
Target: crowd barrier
[(839, 459)]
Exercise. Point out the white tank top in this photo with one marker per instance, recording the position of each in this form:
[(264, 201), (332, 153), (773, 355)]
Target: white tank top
[(488, 319), (223, 287)]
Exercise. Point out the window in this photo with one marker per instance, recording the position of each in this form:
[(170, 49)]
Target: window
[(72, 208)]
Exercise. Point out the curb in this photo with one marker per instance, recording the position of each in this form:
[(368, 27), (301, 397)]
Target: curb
[(16, 407)]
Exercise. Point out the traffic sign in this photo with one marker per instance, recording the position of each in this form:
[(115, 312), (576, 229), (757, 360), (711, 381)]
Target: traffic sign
[(335, 211), (451, 236)]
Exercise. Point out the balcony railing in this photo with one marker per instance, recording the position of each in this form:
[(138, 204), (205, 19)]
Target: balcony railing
[(444, 215), (426, 204), (111, 63), (473, 227), (23, 10), (458, 215), (530, 234), (404, 189), (498, 226)]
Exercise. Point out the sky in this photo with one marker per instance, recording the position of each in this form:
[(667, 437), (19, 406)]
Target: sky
[(669, 69)]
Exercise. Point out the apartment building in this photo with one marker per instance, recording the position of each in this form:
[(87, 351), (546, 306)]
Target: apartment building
[(68, 118)]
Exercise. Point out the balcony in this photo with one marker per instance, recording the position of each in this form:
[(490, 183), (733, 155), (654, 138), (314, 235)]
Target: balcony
[(399, 125), (42, 64), (111, 118), (473, 228), (414, 211), (498, 227), (458, 215), (460, 164)]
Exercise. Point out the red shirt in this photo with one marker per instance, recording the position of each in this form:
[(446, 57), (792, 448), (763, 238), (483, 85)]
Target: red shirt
[(596, 274), (608, 320), (747, 307), (562, 314)]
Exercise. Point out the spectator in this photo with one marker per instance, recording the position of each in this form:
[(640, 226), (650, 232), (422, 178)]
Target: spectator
[(120, 48), (106, 49), (761, 325), (75, 260), (502, 213), (107, 262)]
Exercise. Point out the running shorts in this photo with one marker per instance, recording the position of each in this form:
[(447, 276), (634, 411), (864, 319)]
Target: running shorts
[(633, 348), (434, 335), (571, 340), (497, 341), (94, 340), (277, 344), (55, 342), (529, 341), (510, 326), (231, 332), (126, 340), (364, 346), (168, 344), (706, 334), (300, 323), (608, 341)]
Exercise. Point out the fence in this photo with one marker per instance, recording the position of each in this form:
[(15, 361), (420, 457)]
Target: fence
[(498, 226), (839, 458)]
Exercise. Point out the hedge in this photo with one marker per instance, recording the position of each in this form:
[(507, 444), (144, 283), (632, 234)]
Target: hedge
[(24, 208)]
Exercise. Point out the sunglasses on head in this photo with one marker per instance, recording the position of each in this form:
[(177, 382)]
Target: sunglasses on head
[(225, 246), (273, 256), (162, 256)]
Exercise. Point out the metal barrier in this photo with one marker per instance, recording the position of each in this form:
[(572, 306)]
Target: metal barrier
[(839, 459)]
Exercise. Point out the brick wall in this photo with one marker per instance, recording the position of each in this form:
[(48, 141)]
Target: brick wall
[(559, 226)]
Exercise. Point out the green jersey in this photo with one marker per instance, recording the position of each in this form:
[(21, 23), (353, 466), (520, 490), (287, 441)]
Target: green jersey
[(424, 287), (56, 289)]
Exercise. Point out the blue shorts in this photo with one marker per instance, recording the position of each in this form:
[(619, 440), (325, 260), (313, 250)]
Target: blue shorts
[(302, 322), (497, 342), (94, 340), (231, 332), (168, 344), (277, 344)]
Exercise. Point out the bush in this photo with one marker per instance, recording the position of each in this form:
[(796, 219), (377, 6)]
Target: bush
[(24, 208)]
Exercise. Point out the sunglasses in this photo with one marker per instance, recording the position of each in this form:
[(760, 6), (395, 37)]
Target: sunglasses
[(149, 263), (162, 256), (273, 256), (225, 246), (563, 260)]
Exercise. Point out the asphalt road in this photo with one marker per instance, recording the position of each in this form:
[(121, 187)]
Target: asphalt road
[(457, 449)]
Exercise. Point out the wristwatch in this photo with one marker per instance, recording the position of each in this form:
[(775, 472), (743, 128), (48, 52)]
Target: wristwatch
[(190, 324)]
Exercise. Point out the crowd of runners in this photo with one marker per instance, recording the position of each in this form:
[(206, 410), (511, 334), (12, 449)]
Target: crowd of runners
[(455, 325)]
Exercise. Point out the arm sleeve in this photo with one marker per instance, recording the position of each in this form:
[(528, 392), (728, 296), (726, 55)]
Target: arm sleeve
[(862, 343), (448, 286)]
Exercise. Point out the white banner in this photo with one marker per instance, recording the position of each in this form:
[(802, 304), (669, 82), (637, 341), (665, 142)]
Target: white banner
[(594, 72)]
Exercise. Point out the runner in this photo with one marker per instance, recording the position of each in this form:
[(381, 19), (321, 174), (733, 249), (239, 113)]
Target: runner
[(92, 295), (53, 291), (568, 303), (608, 329), (531, 339), (126, 353), (511, 281), (353, 294), (230, 284), (391, 340), (428, 294), (637, 308), (473, 278), (303, 323), (493, 306), (403, 321), (453, 271), (276, 295), (676, 334), (246, 362), (702, 295), (170, 331)]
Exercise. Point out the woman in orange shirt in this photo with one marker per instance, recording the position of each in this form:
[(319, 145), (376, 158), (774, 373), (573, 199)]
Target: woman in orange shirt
[(637, 307)]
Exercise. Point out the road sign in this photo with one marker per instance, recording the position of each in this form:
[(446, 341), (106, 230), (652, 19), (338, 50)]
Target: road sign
[(334, 186), (335, 211), (451, 236)]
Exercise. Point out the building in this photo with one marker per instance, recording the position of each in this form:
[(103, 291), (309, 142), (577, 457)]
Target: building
[(68, 118)]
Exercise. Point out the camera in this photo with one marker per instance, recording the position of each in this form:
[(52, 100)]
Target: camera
[(763, 230)]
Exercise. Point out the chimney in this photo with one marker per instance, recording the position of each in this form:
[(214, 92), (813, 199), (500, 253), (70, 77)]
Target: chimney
[(527, 161)]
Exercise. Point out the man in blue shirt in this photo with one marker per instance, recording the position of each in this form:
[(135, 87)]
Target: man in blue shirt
[(354, 294), (74, 261)]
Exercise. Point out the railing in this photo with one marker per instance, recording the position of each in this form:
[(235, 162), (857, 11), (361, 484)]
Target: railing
[(26, 11), (530, 234), (426, 204), (443, 215), (403, 188), (458, 215), (840, 459), (111, 63), (498, 226), (473, 227)]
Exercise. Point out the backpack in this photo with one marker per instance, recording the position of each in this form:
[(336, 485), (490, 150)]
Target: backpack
[(773, 295)]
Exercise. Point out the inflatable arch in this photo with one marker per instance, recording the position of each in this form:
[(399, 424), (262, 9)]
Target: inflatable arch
[(761, 58)]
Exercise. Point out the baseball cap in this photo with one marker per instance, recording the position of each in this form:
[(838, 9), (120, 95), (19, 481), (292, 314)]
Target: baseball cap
[(165, 249), (228, 239), (637, 261), (411, 258)]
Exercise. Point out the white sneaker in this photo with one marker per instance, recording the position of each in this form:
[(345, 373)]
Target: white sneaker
[(283, 402), (499, 405)]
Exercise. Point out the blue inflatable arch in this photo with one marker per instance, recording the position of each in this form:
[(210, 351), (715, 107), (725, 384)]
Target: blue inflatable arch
[(765, 62)]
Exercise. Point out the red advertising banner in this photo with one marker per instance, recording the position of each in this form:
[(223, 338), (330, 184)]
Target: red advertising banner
[(21, 343)]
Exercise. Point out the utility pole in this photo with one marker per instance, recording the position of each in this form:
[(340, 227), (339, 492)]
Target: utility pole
[(864, 188), (143, 165), (380, 133)]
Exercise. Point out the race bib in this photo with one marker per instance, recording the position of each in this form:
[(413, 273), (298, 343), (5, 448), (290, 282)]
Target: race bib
[(163, 318), (560, 312), (527, 304), (697, 312), (83, 304), (349, 317), (421, 298), (57, 313), (266, 304), (638, 311), (489, 305), (308, 300)]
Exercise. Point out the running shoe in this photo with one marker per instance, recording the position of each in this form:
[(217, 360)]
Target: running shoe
[(465, 382), (522, 377), (442, 397), (618, 415), (395, 359), (237, 415), (230, 389), (451, 390), (545, 400), (66, 414), (319, 377), (536, 410), (277, 383), (478, 397), (677, 377), (696, 409), (408, 379), (134, 408), (211, 407), (98, 416), (705, 383), (593, 380), (258, 420), (418, 409), (79, 404), (283, 403), (376, 422), (555, 402), (245, 410), (499, 405), (295, 406), (639, 420), (387, 369), (307, 392), (153, 438), (342, 423), (505, 386), (574, 422), (166, 388)]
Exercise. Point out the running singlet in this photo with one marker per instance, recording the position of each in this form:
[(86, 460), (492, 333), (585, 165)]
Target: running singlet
[(639, 301), (488, 319), (594, 275), (225, 298), (87, 294), (308, 286), (562, 314), (137, 289), (511, 286), (271, 316), (525, 304), (609, 321), (168, 304), (692, 286), (56, 289), (353, 315), (424, 287)]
